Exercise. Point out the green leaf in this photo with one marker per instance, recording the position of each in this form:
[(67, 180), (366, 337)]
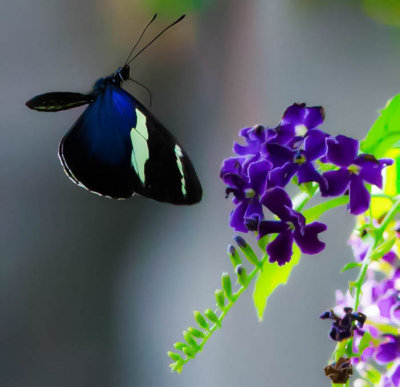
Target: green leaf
[(315, 212), (270, 278), (350, 265), (385, 132), (364, 342)]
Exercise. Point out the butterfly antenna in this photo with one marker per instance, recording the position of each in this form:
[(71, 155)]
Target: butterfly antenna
[(144, 87), (140, 37), (158, 35)]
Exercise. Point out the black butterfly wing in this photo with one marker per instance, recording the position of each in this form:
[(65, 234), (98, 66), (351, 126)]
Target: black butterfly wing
[(117, 148), (169, 173), (54, 102)]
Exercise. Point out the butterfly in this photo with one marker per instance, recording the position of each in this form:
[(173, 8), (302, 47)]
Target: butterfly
[(117, 147)]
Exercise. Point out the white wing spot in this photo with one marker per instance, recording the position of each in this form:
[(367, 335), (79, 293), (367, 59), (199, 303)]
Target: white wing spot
[(140, 148), (179, 156)]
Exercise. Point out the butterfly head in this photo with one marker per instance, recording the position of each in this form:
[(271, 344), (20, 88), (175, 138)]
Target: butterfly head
[(119, 76)]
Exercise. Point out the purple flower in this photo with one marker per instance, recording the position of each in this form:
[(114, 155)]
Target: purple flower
[(297, 122), (255, 137), (389, 350), (288, 162), (354, 171), (291, 227), (247, 183)]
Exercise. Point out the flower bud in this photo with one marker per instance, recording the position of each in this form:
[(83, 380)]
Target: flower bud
[(174, 356), (189, 339), (179, 346), (212, 316), (220, 298), (227, 286), (189, 352), (234, 256), (247, 250), (200, 320), (196, 333), (242, 275)]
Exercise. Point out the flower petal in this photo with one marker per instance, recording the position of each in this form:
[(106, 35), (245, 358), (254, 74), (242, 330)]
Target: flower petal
[(281, 176), (359, 196), (254, 210), (278, 154), (314, 117), (294, 114), (280, 249), (315, 144), (338, 182), (237, 217), (277, 201), (283, 134), (308, 242), (255, 137), (266, 227), (308, 173), (371, 169), (342, 150), (396, 376), (232, 165), (387, 352), (258, 174)]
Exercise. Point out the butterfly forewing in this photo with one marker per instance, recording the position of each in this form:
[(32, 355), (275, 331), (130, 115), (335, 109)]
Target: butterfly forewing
[(54, 102), (117, 147)]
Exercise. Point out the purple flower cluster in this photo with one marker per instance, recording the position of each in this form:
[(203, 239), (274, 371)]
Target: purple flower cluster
[(295, 148), (380, 301)]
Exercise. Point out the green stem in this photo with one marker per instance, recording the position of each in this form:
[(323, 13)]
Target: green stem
[(227, 308), (378, 239), (299, 201)]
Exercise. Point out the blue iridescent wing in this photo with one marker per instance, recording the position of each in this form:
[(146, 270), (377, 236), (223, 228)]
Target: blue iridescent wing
[(118, 148), (57, 101)]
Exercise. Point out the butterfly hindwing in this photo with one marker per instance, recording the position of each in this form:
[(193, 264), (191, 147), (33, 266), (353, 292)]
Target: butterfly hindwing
[(169, 173), (117, 147), (54, 102)]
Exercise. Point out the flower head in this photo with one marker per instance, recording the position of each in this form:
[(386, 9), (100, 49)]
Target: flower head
[(247, 184), (297, 122), (291, 227), (353, 173)]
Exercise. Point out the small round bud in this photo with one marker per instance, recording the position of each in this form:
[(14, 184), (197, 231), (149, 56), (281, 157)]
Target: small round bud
[(196, 333), (234, 256), (212, 316), (220, 298), (200, 320), (247, 250), (189, 339), (227, 286), (242, 275), (174, 356), (240, 241), (179, 346), (189, 352)]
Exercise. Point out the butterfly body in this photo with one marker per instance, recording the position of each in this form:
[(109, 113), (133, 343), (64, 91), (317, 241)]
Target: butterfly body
[(118, 148)]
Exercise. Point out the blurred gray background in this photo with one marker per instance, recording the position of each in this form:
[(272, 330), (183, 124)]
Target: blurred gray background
[(94, 292)]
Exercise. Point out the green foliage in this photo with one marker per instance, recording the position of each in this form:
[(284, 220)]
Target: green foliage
[(385, 132), (349, 266), (270, 278)]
